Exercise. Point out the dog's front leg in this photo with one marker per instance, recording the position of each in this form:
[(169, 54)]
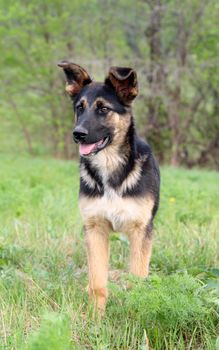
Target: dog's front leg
[(140, 250), (97, 243)]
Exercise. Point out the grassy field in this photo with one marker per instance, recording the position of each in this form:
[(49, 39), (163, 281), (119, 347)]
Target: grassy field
[(43, 272)]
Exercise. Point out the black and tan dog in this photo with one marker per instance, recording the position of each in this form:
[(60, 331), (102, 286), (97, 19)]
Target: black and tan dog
[(119, 177)]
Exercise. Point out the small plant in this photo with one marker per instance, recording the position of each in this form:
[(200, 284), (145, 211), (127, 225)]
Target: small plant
[(169, 308), (53, 334)]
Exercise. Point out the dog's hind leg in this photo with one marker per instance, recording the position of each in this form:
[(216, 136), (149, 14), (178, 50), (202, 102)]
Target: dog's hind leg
[(140, 251), (97, 243)]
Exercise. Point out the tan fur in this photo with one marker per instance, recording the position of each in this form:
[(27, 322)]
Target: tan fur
[(120, 212), (124, 89), (71, 89), (120, 125), (107, 163), (83, 102), (128, 215), (74, 86), (140, 252), (102, 101), (133, 176), (110, 158), (86, 177), (99, 297), (111, 211), (97, 236)]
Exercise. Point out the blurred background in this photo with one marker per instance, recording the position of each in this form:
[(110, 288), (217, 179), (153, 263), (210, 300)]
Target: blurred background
[(172, 44)]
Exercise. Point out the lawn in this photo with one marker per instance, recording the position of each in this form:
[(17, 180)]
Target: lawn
[(43, 271)]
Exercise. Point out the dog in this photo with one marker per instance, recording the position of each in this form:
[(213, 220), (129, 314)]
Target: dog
[(119, 176)]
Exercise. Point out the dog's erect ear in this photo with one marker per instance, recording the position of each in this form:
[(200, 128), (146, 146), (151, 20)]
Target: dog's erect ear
[(76, 77), (124, 81)]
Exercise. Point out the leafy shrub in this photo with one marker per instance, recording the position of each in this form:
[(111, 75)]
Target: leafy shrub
[(176, 306), (54, 334)]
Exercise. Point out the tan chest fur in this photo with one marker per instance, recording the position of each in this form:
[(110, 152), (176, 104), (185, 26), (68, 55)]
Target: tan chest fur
[(119, 211)]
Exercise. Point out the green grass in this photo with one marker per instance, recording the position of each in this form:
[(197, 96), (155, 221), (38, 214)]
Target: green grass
[(43, 271)]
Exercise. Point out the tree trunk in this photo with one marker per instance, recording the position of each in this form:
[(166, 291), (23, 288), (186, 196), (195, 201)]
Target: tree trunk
[(24, 129), (155, 75)]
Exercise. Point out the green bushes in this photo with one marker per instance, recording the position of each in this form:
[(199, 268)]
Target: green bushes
[(54, 334)]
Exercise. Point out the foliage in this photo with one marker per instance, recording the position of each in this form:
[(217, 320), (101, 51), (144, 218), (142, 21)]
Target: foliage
[(43, 268), (54, 333), (171, 44), (177, 304)]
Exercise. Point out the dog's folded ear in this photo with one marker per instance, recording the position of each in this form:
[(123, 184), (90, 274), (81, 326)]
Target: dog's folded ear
[(124, 81), (76, 77)]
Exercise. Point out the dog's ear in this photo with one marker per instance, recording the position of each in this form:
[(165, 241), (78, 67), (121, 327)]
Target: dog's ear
[(124, 81), (76, 77)]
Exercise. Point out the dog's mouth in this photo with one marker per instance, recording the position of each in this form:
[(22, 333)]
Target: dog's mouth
[(86, 149)]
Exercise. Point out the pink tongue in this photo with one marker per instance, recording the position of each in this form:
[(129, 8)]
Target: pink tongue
[(86, 148)]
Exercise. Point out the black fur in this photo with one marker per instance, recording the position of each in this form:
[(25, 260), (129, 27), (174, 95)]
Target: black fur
[(117, 92), (119, 176), (95, 90), (149, 182)]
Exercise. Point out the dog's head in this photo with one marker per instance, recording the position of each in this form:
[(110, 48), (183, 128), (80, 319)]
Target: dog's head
[(102, 110)]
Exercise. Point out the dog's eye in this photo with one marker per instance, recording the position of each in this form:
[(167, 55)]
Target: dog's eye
[(104, 109), (80, 108)]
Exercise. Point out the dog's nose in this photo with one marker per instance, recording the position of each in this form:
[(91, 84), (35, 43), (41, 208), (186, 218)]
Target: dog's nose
[(79, 133)]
